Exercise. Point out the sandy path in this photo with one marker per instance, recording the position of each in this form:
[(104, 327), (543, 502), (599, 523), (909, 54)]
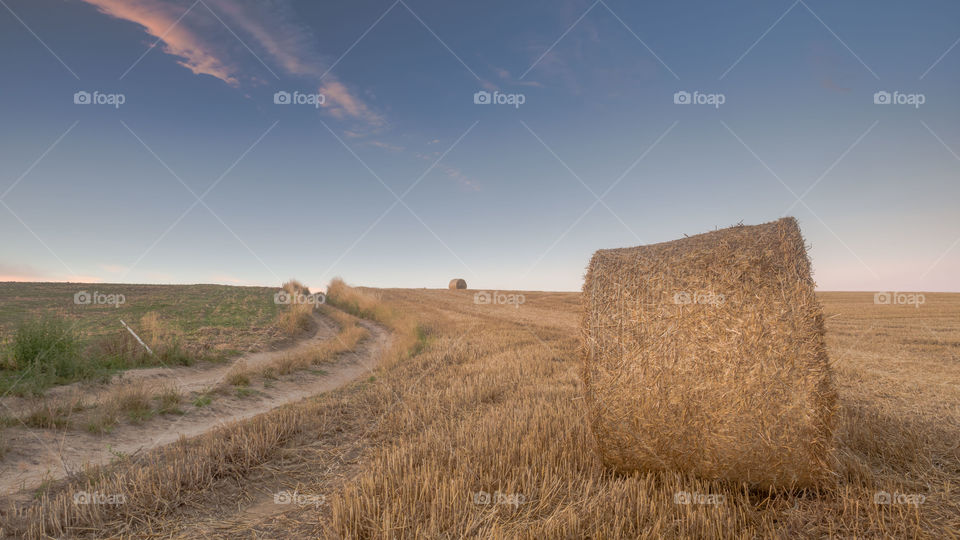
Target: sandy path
[(38, 455), (195, 379)]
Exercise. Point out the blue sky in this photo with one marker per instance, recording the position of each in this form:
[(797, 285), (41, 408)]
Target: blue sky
[(400, 179)]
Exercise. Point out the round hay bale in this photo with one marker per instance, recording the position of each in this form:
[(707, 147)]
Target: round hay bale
[(706, 355), (457, 284)]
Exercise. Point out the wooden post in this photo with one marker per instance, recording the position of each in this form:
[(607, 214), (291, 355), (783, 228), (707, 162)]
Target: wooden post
[(134, 334)]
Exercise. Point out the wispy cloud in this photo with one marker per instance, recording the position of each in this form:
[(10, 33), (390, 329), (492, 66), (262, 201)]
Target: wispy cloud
[(462, 179), (235, 40), (509, 80), (272, 26), (342, 103), (386, 146), (159, 20), (450, 172)]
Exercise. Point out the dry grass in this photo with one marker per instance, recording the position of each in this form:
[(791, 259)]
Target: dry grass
[(134, 401), (158, 333), (168, 477), (169, 400), (54, 414), (294, 287), (348, 337), (706, 355), (239, 375), (494, 405), (492, 402), (227, 320), (296, 319), (409, 334)]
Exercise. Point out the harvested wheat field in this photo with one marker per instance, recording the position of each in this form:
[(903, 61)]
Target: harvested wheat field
[(474, 425), (706, 355)]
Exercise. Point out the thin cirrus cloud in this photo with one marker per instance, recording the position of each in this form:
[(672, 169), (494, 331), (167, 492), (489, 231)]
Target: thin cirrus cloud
[(341, 103), (205, 46), (159, 19)]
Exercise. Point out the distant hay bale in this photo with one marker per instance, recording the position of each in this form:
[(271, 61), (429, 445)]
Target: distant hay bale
[(457, 284), (706, 355)]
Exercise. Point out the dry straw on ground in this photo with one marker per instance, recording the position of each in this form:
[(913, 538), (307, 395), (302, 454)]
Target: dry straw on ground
[(457, 284), (706, 355)]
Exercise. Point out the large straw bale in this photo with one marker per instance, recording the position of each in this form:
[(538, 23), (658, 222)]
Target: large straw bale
[(457, 283), (706, 355)]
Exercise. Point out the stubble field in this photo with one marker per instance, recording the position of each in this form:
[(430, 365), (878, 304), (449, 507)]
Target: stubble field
[(473, 426)]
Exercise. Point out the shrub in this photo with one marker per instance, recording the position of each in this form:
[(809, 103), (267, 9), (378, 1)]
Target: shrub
[(50, 348), (298, 318)]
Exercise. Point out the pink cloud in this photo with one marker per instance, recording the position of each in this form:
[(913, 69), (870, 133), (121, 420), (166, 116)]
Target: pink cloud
[(341, 103), (251, 32), (287, 43), (159, 19)]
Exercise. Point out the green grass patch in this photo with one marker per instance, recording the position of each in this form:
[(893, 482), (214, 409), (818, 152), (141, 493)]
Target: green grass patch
[(202, 400), (47, 339), (168, 402)]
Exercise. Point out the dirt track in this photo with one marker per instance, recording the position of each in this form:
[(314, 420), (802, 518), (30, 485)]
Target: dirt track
[(38, 455)]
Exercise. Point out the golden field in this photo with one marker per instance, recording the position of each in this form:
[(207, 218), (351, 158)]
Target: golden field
[(473, 426)]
